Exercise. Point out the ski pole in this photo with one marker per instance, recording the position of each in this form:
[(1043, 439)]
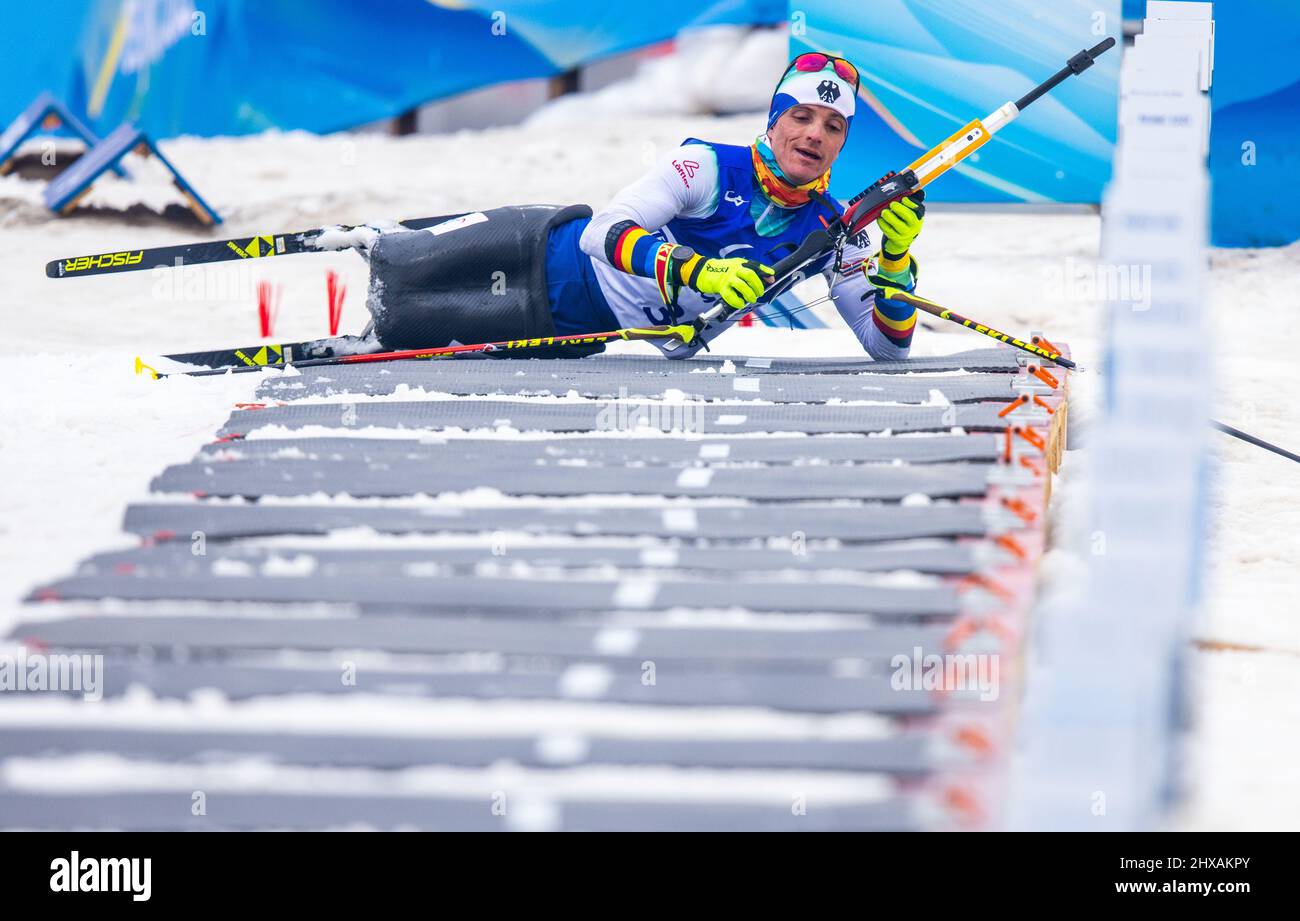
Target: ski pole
[(944, 313), (1257, 442)]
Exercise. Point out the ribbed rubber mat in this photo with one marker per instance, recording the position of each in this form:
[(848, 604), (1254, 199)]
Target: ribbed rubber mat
[(773, 449), (542, 597), (708, 685), (562, 639), (906, 754), (165, 521), (175, 558), (777, 388), (594, 416), (391, 479), (168, 811)]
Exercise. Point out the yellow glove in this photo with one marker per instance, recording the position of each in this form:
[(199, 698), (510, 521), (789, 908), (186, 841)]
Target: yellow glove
[(737, 281), (900, 224)]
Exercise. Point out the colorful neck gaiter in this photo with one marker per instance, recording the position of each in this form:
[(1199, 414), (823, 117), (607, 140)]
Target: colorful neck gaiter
[(779, 190)]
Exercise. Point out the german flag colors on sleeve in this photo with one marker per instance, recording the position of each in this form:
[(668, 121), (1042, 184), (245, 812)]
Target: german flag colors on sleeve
[(631, 249), (895, 319)]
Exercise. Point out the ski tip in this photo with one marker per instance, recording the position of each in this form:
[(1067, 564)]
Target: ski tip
[(141, 367), (54, 269)]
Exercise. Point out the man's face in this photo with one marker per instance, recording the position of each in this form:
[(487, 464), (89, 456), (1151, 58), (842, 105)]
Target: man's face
[(806, 141)]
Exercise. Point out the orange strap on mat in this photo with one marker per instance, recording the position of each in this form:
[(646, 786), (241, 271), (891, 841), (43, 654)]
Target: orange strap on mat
[(1044, 376), (1031, 436), (1027, 514), (1013, 406)]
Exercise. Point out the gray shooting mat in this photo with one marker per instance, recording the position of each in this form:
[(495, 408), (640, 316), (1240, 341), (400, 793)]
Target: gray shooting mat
[(178, 558), (903, 753), (800, 592), (777, 388), (677, 683), (171, 811), (862, 523), (663, 450), (396, 478), (595, 416), (777, 647)]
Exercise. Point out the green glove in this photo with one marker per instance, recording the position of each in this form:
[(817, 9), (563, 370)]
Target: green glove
[(900, 224), (736, 281)]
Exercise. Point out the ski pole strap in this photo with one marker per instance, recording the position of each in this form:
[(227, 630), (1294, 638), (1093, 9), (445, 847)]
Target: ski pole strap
[(676, 267)]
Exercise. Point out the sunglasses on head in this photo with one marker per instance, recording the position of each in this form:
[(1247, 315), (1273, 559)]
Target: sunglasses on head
[(815, 61)]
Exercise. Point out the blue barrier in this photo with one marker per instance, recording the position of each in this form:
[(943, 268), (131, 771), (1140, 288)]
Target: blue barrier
[(65, 191), (45, 115)]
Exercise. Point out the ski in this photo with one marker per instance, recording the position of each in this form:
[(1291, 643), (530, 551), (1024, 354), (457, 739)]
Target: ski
[(265, 354), (678, 335), (684, 332), (258, 246)]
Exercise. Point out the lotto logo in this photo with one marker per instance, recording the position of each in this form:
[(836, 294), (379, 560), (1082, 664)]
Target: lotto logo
[(106, 261)]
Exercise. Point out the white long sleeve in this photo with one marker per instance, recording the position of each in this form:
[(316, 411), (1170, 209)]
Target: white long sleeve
[(682, 183)]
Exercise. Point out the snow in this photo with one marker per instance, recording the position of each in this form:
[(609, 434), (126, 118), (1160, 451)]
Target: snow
[(83, 436)]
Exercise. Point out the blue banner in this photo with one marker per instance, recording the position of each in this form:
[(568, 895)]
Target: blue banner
[(929, 67), (238, 67), (1255, 124)]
